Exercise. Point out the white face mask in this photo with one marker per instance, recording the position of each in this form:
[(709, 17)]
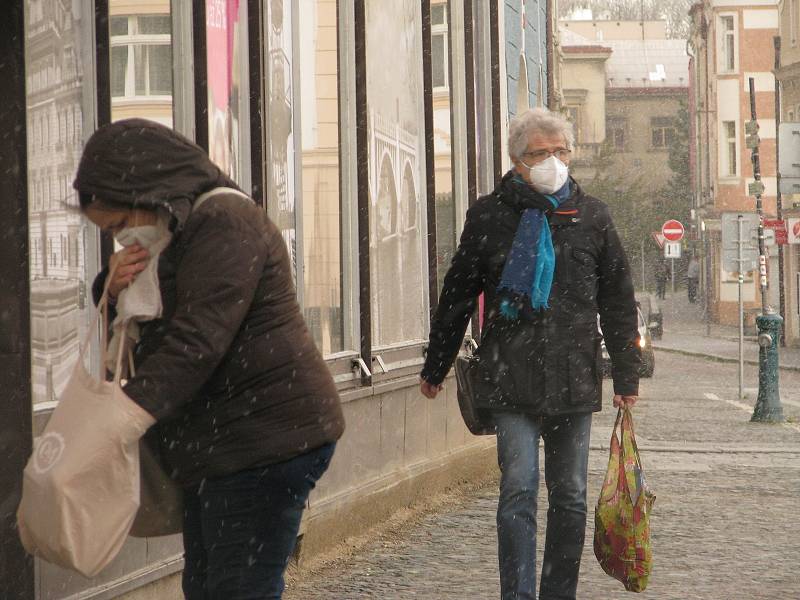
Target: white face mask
[(144, 235), (548, 176)]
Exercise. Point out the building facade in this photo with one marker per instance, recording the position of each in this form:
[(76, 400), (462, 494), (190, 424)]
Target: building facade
[(367, 166), (624, 86), (787, 73), (732, 42)]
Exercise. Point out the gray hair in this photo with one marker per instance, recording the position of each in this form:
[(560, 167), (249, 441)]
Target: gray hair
[(540, 120)]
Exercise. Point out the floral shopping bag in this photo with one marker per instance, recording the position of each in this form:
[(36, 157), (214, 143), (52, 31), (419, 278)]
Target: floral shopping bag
[(622, 517)]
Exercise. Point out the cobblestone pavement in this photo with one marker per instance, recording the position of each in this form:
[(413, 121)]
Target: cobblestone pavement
[(725, 522)]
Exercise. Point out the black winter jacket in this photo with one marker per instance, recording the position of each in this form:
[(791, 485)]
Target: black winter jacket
[(230, 372), (547, 362)]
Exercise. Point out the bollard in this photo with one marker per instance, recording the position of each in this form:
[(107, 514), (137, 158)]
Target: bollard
[(768, 407)]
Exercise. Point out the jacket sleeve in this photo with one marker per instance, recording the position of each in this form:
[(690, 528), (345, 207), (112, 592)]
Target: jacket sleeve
[(462, 286), (221, 263), (618, 317)]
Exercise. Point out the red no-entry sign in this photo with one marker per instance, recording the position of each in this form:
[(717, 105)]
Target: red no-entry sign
[(672, 230)]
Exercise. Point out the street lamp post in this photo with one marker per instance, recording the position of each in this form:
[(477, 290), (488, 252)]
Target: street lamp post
[(768, 406)]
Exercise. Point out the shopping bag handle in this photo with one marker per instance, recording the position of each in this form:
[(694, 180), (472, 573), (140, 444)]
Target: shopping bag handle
[(625, 418), (102, 313)]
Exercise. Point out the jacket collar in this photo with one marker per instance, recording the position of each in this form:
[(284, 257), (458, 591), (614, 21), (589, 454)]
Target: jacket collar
[(520, 198)]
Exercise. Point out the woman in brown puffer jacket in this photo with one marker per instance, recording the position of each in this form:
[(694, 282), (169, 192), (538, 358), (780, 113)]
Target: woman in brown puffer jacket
[(247, 412)]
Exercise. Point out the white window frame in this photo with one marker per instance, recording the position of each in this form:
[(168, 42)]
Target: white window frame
[(441, 30), (661, 124), (722, 42), (131, 40), (727, 141)]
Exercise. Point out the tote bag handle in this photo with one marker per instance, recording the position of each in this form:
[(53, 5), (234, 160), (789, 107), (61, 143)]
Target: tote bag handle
[(102, 314)]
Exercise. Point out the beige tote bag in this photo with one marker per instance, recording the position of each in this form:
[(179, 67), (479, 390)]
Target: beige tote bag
[(80, 490)]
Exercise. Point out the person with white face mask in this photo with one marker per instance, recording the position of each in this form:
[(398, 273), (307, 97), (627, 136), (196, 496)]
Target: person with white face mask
[(548, 260)]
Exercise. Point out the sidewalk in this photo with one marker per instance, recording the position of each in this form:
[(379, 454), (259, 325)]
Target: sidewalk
[(685, 333), (724, 524)]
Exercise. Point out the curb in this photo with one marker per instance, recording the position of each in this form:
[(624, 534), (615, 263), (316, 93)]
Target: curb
[(718, 358)]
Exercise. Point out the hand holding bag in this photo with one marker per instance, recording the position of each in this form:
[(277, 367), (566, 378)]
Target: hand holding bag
[(622, 517), (80, 490)]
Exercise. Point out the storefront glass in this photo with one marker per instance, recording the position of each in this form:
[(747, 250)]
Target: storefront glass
[(226, 30), (319, 139), (63, 248), (442, 138), (396, 171), (279, 150)]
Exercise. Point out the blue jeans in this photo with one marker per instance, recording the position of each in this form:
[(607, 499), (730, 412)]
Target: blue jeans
[(566, 446), (239, 531)]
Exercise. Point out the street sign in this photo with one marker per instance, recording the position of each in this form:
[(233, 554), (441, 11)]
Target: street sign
[(672, 250), (778, 228), (672, 230), (789, 160), (793, 231), (659, 238), (730, 238)]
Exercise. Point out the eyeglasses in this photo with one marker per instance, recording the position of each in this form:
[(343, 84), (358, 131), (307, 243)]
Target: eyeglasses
[(538, 156)]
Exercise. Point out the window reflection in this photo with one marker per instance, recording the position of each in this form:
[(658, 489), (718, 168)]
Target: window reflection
[(396, 166), (320, 173), (61, 256), (280, 143), (226, 21), (141, 60), (442, 140)]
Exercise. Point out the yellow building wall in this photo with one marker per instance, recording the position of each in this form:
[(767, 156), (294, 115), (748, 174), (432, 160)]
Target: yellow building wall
[(638, 153)]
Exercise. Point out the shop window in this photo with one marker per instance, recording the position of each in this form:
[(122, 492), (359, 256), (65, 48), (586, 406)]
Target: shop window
[(398, 269), (320, 173), (279, 126), (662, 132), (228, 91), (442, 143)]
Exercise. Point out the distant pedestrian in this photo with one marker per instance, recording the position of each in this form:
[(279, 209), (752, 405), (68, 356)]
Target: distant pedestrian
[(692, 279), (247, 412), (547, 258), (663, 274)]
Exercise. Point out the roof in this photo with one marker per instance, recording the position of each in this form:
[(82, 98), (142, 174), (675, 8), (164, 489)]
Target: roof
[(653, 63), (647, 63)]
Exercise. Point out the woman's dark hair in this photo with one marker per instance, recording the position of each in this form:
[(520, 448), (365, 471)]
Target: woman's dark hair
[(85, 200)]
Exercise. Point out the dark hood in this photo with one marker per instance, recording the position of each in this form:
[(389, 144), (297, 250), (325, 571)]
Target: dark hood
[(140, 163)]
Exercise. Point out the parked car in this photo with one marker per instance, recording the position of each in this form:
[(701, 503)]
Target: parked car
[(651, 311), (645, 342)]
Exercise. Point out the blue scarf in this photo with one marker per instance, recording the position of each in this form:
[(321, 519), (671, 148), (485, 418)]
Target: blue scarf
[(528, 272)]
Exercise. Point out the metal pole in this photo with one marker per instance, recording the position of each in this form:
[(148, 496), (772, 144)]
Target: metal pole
[(672, 269), (768, 405), (644, 286), (762, 258), (781, 284), (739, 242)]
